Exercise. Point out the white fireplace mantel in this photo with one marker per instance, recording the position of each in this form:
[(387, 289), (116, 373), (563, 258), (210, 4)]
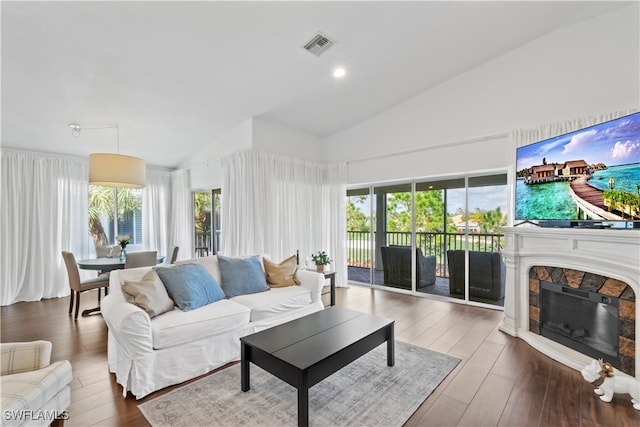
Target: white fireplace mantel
[(608, 252)]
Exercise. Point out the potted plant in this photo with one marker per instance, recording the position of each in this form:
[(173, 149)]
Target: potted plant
[(320, 260)]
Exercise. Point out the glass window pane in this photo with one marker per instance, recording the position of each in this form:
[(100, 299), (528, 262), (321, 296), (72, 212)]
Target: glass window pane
[(130, 215), (393, 236), (487, 213), (202, 204), (216, 220), (439, 204), (105, 223), (101, 215), (359, 259)]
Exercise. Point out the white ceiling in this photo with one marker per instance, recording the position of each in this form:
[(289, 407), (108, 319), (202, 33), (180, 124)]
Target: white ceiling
[(175, 76)]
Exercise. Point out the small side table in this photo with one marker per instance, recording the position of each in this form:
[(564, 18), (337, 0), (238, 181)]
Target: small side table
[(331, 275)]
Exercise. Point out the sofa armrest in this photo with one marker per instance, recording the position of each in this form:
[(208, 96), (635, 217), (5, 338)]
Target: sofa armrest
[(129, 325), (20, 357), (313, 281)]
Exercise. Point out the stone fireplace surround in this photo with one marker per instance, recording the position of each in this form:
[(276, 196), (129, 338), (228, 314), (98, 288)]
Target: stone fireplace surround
[(610, 253)]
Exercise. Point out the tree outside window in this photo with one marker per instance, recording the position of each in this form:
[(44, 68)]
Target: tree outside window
[(105, 223)]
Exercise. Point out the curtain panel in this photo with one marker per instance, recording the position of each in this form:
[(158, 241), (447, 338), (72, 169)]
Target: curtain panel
[(275, 205), (44, 211), (182, 213), (156, 211)]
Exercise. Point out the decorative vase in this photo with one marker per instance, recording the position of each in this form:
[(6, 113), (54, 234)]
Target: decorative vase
[(123, 252), (320, 268)]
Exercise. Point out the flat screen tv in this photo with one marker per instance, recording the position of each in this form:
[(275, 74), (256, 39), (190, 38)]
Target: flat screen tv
[(590, 176)]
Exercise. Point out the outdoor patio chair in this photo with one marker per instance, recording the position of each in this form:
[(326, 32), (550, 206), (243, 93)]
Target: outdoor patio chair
[(396, 261), (485, 274)]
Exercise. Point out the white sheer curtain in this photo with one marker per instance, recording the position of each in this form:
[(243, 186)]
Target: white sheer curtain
[(156, 211), (182, 213), (44, 211), (540, 133), (275, 205)]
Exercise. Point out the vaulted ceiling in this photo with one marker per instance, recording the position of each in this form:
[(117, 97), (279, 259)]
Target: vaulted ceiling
[(176, 76)]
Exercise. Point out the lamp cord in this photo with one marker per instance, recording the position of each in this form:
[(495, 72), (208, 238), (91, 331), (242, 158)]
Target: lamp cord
[(75, 132)]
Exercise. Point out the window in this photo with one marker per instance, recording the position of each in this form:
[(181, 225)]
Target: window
[(202, 203), (115, 212), (206, 209)]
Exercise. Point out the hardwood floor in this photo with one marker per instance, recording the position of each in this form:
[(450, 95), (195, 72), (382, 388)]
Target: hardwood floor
[(501, 381)]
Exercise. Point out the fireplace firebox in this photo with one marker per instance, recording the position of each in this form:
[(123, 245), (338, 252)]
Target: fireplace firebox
[(586, 321)]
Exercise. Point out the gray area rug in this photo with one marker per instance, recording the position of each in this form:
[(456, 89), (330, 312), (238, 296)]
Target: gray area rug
[(365, 393)]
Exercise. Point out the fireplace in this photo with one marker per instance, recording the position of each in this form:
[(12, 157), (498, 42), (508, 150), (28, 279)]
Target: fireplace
[(562, 266), (582, 320)]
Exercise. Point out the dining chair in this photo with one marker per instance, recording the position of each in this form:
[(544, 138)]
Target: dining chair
[(109, 251), (78, 286), (174, 255), (112, 251), (141, 259), (202, 251)]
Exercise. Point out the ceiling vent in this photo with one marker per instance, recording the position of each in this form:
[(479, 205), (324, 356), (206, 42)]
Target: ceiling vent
[(318, 44)]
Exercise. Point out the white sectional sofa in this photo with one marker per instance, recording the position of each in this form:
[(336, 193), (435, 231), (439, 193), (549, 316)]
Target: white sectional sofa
[(148, 354)]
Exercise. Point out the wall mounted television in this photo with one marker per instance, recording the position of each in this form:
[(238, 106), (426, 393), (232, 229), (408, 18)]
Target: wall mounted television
[(589, 177)]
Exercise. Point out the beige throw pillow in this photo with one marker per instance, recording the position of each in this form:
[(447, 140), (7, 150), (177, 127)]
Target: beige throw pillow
[(149, 294), (282, 274)]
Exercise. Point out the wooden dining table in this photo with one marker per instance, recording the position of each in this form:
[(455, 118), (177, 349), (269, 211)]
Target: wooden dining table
[(104, 265)]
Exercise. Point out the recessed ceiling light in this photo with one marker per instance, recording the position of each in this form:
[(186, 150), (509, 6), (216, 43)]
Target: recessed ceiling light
[(339, 73)]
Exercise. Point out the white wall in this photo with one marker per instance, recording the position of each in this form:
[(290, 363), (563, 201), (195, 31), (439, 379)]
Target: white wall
[(584, 70), (206, 169), (275, 138), (257, 134)]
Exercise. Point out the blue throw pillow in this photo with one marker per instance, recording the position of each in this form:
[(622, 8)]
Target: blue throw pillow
[(241, 276), (190, 286)]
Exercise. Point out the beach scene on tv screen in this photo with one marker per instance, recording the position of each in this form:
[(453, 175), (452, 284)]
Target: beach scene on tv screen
[(589, 174)]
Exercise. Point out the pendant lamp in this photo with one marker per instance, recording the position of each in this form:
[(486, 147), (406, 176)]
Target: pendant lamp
[(113, 170), (116, 170)]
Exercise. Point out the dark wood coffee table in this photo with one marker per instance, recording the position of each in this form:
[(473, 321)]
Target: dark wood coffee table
[(305, 351)]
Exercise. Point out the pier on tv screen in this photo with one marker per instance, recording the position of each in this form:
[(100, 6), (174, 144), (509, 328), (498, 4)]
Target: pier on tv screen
[(591, 174)]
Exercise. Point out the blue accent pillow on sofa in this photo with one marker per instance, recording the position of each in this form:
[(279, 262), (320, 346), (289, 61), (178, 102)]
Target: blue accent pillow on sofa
[(190, 286), (241, 276)]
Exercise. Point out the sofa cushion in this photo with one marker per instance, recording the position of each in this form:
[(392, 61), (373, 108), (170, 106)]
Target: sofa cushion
[(241, 276), (210, 263), (179, 327), (190, 286), (148, 293), (281, 274), (276, 301)]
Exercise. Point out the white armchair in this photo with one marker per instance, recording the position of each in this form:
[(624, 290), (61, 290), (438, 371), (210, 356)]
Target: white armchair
[(33, 391)]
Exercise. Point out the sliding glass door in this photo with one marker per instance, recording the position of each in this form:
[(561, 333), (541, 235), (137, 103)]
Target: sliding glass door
[(440, 206), (487, 212), (359, 235), (393, 236), (438, 237)]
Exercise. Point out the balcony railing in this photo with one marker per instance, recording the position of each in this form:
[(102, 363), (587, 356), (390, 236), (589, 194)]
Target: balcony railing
[(437, 244)]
